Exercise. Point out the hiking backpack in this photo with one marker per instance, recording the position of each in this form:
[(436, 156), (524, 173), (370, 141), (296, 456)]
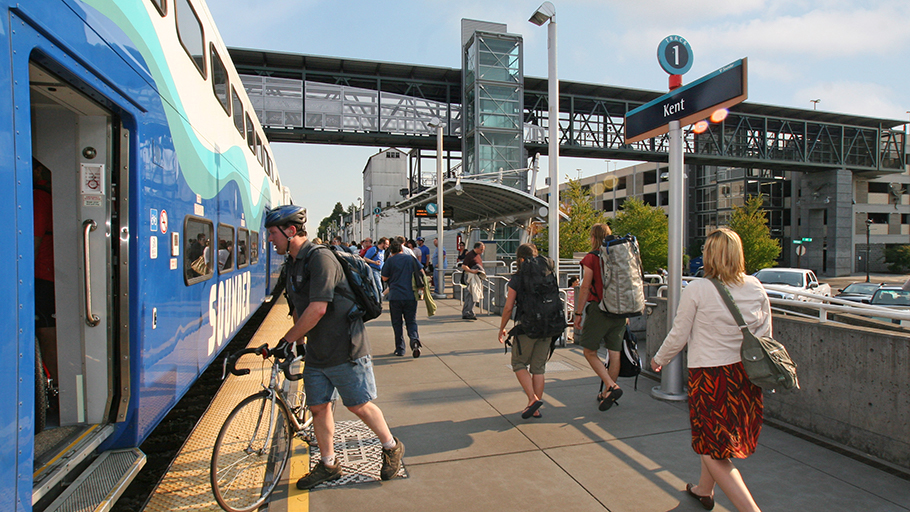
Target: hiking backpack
[(623, 277), (541, 311), (359, 275)]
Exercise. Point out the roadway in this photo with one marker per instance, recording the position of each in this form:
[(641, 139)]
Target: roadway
[(457, 409)]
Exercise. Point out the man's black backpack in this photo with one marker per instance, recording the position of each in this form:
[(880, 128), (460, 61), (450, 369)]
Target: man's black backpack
[(541, 311), (359, 275), (629, 360)]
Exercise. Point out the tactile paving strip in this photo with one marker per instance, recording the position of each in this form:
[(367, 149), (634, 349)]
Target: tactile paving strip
[(360, 453), (186, 485)]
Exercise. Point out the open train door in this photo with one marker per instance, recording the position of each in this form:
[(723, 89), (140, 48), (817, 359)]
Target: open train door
[(80, 155)]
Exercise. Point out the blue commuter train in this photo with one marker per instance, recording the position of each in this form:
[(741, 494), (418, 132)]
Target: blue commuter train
[(133, 158)]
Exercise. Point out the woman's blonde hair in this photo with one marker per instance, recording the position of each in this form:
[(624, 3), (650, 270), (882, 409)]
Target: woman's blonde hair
[(599, 232), (723, 256), (525, 252)]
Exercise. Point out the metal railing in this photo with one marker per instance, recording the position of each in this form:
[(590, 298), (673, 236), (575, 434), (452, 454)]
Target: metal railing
[(822, 305)]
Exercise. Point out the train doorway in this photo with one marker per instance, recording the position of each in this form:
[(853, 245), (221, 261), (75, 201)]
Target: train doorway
[(82, 234)]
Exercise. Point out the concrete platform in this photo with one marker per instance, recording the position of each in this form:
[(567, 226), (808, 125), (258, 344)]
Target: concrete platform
[(457, 409)]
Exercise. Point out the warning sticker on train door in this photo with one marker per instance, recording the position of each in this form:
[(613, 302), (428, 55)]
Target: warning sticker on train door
[(92, 179)]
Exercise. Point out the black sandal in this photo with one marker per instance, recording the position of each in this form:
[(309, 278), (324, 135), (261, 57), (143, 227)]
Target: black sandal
[(607, 401), (531, 409), (706, 501)]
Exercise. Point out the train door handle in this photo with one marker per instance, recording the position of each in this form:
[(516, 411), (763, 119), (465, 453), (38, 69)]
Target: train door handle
[(90, 318)]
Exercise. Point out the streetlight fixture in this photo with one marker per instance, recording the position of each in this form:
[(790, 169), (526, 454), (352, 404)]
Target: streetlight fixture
[(868, 227), (440, 248), (815, 103), (547, 12)]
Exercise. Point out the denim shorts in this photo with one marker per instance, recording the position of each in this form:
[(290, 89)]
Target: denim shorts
[(353, 381)]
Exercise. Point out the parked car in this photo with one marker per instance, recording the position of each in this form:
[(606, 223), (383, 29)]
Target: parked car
[(795, 279), (891, 297), (859, 292)]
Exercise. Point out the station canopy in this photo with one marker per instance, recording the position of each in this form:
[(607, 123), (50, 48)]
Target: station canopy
[(481, 203)]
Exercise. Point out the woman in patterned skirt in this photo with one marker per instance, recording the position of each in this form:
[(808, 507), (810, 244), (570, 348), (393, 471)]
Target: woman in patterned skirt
[(725, 408)]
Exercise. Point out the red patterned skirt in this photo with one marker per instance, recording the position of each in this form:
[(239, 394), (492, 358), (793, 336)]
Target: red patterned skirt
[(725, 411)]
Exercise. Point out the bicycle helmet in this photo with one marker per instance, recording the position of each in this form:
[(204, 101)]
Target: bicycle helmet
[(284, 215)]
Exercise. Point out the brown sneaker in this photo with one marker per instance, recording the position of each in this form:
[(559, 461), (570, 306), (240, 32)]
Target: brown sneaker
[(320, 473), (391, 460)]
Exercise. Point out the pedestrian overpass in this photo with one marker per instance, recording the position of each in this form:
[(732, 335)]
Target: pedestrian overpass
[(330, 100)]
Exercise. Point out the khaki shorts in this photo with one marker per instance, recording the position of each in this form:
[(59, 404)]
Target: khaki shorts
[(598, 326), (534, 352)]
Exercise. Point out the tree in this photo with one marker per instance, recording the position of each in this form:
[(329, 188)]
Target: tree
[(649, 225), (750, 222), (574, 233), (897, 257), (323, 231)]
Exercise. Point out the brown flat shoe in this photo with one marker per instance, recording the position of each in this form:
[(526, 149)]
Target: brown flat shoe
[(706, 501)]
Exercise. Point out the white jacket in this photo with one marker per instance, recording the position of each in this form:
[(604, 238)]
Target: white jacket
[(475, 285)]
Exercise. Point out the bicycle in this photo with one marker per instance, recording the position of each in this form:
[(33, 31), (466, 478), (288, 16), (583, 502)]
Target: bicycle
[(254, 444)]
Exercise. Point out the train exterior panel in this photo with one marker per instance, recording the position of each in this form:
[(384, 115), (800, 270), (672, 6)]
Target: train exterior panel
[(136, 111)]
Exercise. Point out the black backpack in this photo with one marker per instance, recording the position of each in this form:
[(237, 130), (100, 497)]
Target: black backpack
[(541, 311), (629, 360), (359, 275)]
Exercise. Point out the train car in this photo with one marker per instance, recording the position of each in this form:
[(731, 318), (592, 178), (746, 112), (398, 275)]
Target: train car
[(134, 178)]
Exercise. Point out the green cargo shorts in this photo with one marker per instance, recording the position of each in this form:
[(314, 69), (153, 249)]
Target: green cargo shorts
[(598, 326)]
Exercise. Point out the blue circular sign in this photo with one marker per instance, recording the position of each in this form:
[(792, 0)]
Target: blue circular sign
[(675, 55), (431, 208)]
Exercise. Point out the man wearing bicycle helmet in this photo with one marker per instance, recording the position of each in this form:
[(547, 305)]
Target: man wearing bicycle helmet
[(338, 358)]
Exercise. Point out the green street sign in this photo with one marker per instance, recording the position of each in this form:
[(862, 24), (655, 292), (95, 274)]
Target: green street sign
[(807, 239), (797, 242)]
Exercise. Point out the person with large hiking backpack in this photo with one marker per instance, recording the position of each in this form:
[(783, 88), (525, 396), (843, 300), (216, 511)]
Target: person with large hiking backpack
[(337, 350), (539, 321), (594, 326)]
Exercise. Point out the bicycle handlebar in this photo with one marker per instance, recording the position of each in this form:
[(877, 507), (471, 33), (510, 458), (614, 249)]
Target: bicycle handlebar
[(262, 350)]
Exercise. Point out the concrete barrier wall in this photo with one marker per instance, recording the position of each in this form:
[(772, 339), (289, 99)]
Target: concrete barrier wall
[(854, 382)]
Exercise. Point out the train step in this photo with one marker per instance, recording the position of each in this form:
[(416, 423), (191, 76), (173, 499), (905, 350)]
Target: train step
[(51, 476), (99, 486)]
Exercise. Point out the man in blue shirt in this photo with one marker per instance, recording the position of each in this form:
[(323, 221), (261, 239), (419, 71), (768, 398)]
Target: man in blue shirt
[(374, 257), (398, 271), (424, 255)]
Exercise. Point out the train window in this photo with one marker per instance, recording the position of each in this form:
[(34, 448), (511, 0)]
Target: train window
[(189, 31), (258, 149), (268, 168), (220, 81), (161, 5), (225, 248), (249, 132), (197, 257), (238, 110), (254, 247), (243, 247)]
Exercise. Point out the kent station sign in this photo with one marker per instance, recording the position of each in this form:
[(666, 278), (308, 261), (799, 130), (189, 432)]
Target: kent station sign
[(690, 103)]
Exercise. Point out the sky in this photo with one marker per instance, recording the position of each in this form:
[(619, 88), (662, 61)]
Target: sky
[(851, 55)]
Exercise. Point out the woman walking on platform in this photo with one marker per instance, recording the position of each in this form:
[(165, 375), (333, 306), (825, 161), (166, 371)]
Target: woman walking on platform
[(725, 408), (526, 351)]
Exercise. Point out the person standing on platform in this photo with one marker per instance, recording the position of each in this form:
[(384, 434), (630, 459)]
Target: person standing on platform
[(365, 246), (337, 350), (593, 326), (45, 297), (374, 257), (725, 408), (473, 268), (398, 271), (423, 253)]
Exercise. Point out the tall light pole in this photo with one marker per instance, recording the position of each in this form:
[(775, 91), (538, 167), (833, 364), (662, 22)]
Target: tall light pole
[(360, 215), (440, 248), (370, 209), (815, 104), (868, 247), (547, 12)]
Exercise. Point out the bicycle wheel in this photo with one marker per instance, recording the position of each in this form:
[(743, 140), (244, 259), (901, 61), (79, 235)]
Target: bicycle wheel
[(247, 462)]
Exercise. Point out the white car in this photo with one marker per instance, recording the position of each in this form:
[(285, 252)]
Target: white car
[(792, 280)]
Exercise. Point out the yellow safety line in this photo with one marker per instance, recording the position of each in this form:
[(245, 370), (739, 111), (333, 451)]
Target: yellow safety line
[(64, 451), (300, 465)]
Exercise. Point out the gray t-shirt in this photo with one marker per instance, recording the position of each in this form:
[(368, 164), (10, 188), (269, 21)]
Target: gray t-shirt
[(316, 276)]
